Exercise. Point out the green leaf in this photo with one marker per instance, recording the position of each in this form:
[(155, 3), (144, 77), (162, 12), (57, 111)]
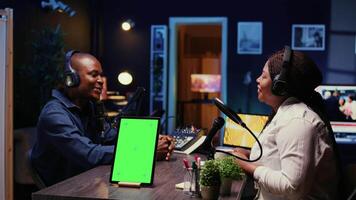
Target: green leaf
[(228, 168)]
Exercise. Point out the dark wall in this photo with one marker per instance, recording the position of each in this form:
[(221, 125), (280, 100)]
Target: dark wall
[(29, 17), (96, 29), (130, 50), (29, 20)]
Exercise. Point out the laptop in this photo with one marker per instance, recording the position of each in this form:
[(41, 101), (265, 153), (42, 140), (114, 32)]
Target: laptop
[(237, 136), (135, 151)]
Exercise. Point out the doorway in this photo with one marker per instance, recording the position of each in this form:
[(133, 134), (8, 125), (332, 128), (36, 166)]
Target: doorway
[(197, 46)]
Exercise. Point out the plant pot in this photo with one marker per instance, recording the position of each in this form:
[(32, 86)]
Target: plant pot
[(210, 192), (225, 187)]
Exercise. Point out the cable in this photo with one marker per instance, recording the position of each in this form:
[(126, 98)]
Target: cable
[(247, 160), (235, 118)]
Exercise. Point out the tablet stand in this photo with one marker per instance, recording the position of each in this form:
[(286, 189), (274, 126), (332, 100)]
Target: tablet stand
[(127, 184)]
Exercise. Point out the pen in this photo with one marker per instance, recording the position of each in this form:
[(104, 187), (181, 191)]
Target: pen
[(198, 162), (194, 165), (186, 165)]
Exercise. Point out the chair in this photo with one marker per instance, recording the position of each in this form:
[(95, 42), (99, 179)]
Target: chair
[(352, 195), (350, 178), (34, 173), (23, 141)]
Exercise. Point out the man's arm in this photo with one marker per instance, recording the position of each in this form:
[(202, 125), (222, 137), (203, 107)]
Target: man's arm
[(58, 130)]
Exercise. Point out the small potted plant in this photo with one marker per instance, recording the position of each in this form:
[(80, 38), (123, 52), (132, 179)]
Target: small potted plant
[(210, 180), (229, 171)]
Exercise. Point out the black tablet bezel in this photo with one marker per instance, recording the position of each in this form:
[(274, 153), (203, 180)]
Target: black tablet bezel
[(154, 154)]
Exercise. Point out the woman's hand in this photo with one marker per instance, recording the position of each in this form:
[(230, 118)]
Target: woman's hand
[(248, 167), (243, 152)]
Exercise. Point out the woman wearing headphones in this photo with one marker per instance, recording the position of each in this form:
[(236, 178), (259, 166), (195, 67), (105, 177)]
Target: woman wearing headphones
[(299, 159)]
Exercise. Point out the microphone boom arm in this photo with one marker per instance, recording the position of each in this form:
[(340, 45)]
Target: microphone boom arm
[(234, 117)]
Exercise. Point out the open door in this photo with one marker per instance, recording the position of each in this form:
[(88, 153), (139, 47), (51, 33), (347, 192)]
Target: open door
[(198, 47)]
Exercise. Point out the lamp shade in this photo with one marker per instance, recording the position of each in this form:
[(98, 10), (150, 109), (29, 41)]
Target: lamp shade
[(127, 25), (125, 78)]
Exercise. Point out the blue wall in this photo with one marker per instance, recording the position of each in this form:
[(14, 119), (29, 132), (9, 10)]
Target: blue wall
[(96, 28), (121, 50)]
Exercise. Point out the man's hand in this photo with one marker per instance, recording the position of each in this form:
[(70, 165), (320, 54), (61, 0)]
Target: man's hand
[(165, 147)]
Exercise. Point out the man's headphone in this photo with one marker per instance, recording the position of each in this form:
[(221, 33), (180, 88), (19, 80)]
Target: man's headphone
[(279, 83), (71, 77)]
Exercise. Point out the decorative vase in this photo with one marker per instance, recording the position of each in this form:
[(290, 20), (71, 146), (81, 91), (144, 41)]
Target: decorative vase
[(225, 187), (210, 192)]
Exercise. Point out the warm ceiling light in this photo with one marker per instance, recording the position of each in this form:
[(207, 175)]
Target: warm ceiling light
[(127, 25), (125, 78)]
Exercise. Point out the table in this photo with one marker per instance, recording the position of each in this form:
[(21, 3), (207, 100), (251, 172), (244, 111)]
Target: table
[(94, 184)]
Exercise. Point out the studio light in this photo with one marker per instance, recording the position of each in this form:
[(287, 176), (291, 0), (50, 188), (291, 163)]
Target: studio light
[(127, 25), (58, 6), (125, 78)]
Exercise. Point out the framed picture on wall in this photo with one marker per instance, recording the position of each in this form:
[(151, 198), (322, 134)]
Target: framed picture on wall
[(249, 37), (309, 37), (159, 33)]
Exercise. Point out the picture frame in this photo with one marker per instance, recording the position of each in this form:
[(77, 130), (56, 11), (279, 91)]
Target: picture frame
[(158, 35), (249, 37), (310, 37)]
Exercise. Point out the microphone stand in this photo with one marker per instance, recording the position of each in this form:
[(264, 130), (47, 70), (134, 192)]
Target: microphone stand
[(209, 152), (207, 147)]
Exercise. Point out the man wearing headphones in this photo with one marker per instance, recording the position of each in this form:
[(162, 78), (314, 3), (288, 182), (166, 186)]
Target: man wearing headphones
[(69, 138), (299, 159)]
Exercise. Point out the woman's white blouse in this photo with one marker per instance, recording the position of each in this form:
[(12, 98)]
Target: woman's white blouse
[(298, 160)]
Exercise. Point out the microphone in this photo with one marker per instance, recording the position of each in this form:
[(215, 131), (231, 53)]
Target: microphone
[(287, 54), (99, 114), (207, 146), (229, 112), (234, 117), (133, 105)]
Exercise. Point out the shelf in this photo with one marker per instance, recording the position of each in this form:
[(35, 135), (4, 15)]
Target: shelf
[(116, 97)]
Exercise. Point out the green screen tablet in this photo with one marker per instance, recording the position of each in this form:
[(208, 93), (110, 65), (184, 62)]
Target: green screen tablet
[(134, 156)]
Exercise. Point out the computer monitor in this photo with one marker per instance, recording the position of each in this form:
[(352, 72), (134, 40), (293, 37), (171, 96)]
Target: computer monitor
[(205, 83), (236, 136), (340, 104)]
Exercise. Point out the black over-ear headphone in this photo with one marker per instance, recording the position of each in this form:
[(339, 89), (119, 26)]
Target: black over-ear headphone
[(71, 77), (279, 83)]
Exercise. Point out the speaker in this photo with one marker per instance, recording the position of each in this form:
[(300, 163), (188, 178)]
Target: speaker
[(71, 77), (279, 83)]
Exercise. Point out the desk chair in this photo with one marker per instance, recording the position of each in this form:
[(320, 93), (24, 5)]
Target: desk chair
[(34, 173), (350, 178), (23, 141), (352, 195)]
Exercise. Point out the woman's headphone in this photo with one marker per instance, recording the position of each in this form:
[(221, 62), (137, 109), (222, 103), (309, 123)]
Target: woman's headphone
[(279, 83), (71, 77)]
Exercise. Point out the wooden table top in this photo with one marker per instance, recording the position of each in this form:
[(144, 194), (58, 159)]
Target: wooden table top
[(94, 184)]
